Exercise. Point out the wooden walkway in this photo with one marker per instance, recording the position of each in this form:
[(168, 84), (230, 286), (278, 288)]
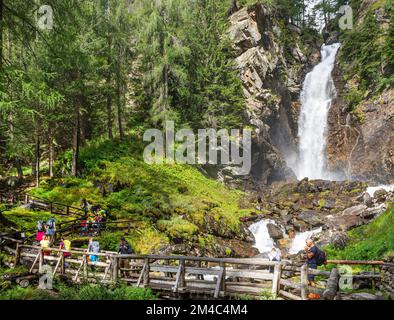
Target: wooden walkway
[(180, 276)]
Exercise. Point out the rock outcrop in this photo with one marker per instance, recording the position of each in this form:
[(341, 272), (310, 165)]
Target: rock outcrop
[(360, 142), (272, 74), (363, 148)]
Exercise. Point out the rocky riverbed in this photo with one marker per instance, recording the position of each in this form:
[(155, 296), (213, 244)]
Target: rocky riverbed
[(326, 207)]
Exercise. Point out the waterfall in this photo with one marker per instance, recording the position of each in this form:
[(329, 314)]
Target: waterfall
[(317, 93), (264, 243), (298, 242)]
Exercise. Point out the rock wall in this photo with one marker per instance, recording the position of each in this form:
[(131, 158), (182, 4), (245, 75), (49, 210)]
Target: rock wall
[(388, 277), (360, 143), (272, 60), (363, 150)]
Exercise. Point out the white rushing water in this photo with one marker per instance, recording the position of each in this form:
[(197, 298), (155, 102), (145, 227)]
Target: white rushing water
[(372, 190), (298, 242), (264, 243), (317, 93)]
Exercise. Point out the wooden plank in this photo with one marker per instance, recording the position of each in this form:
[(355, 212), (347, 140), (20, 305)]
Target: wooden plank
[(276, 279), (78, 271), (164, 268), (304, 282), (289, 295), (357, 262), (57, 265), (219, 282), (254, 274), (34, 263), (180, 276), (332, 285), (202, 271), (240, 289), (141, 275)]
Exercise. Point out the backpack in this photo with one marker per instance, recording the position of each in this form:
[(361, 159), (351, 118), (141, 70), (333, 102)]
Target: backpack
[(51, 223), (95, 247), (40, 226), (321, 257), (67, 244)]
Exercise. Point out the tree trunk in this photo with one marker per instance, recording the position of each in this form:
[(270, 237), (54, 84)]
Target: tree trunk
[(37, 171), (18, 167), (76, 139), (119, 95), (51, 156), (1, 34), (109, 96)]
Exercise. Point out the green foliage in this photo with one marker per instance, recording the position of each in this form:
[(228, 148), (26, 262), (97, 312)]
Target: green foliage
[(369, 242), (177, 227), (367, 55), (27, 219), (98, 292), (78, 292)]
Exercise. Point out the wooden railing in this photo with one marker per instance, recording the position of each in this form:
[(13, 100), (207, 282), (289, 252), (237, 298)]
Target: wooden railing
[(181, 275)]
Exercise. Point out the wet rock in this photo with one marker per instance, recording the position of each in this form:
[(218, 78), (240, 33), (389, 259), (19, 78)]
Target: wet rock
[(274, 231), (355, 210), (363, 296), (380, 195), (299, 225), (345, 223), (329, 204), (311, 218), (339, 240)]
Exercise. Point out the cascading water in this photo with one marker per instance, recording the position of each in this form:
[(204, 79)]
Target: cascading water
[(264, 243), (318, 91), (298, 242)]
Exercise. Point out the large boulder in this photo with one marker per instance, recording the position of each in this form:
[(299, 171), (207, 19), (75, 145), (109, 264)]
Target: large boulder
[(274, 231), (339, 240), (311, 218)]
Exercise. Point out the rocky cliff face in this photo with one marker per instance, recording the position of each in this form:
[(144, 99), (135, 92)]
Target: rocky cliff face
[(363, 149), (360, 142), (272, 60)]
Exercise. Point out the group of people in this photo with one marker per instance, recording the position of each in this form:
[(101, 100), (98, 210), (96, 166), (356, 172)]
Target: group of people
[(46, 230), (93, 220), (123, 249)]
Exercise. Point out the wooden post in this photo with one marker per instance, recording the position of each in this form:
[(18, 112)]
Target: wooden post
[(41, 261), (332, 285), (223, 268), (115, 268), (276, 279), (85, 266), (17, 254), (146, 273), (63, 265), (304, 282), (26, 198), (68, 210), (51, 207), (128, 228)]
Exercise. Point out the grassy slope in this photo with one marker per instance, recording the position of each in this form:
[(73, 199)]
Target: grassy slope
[(165, 201), (369, 242)]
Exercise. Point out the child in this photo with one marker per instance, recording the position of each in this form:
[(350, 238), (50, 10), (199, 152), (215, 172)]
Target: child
[(45, 245)]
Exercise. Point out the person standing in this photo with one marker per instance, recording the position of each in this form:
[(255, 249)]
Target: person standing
[(311, 256), (93, 247), (51, 229), (124, 248)]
